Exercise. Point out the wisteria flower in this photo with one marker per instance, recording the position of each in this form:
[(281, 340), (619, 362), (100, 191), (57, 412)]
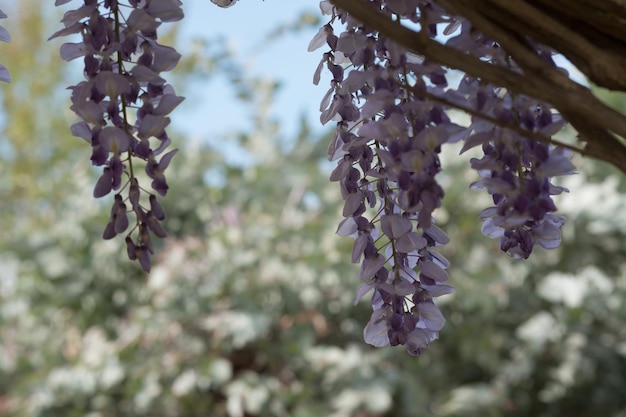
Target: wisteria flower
[(123, 63)]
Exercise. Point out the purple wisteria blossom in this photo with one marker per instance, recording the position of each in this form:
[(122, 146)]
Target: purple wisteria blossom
[(391, 107), (123, 104), (5, 36), (516, 168), (387, 144), (517, 173)]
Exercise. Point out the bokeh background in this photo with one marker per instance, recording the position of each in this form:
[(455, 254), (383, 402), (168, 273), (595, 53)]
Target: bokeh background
[(249, 308)]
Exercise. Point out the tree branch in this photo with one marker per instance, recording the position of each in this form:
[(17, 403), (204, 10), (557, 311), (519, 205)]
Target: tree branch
[(595, 121)]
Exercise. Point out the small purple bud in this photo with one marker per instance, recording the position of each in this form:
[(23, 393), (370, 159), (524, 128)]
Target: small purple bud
[(156, 208), (143, 256), (117, 202), (154, 225), (109, 230), (99, 155), (160, 185), (121, 219), (117, 168), (144, 237), (142, 149), (131, 249), (133, 194), (104, 184)]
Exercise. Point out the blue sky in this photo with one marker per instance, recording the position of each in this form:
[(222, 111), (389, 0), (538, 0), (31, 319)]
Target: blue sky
[(212, 109)]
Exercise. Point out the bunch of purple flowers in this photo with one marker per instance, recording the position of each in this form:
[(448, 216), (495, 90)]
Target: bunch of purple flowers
[(392, 121), (123, 104), (391, 109)]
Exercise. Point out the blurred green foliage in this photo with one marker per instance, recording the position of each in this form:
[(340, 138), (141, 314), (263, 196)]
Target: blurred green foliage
[(248, 310)]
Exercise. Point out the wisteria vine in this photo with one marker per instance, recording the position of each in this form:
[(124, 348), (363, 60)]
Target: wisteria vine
[(392, 121), (391, 109), (123, 104)]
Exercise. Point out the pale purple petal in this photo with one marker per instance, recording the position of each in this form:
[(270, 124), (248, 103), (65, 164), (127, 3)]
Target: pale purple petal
[(166, 10), (370, 266), (347, 227), (114, 139), (375, 332), (431, 316), (361, 291), (352, 203), (165, 58), (395, 226), (433, 271), (360, 243), (140, 20), (70, 30), (112, 84), (167, 103), (417, 339), (438, 290), (145, 74), (70, 51), (320, 38), (166, 159), (81, 130), (151, 126)]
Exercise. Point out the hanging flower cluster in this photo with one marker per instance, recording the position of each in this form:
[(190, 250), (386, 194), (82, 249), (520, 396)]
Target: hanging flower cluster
[(387, 143), (123, 106), (516, 168), (5, 36), (517, 172), (390, 110)]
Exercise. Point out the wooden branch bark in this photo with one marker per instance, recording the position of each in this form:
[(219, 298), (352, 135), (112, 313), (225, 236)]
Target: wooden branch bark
[(590, 117), (598, 54), (596, 123)]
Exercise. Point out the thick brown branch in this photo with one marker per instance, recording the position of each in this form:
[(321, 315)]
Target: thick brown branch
[(599, 55), (516, 128), (588, 16), (594, 120)]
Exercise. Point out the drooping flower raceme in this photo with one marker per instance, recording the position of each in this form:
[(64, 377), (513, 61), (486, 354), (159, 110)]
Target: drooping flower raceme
[(387, 144), (517, 173), (4, 37), (391, 115), (516, 168), (123, 106)]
